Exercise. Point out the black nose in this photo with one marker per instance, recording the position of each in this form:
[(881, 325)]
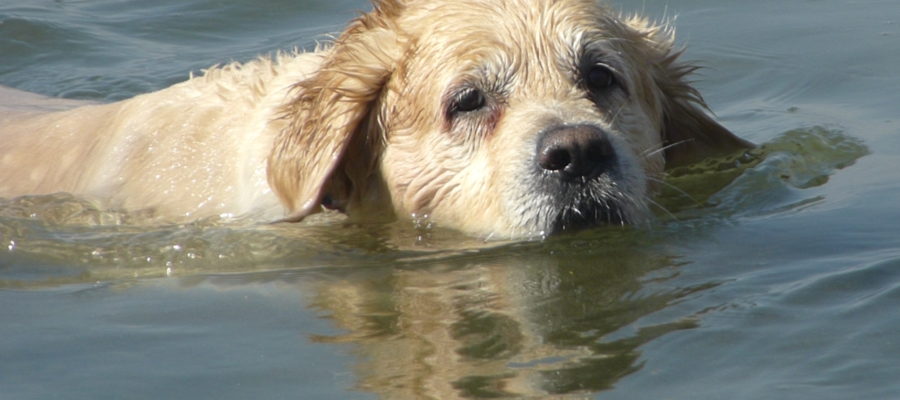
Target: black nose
[(575, 151)]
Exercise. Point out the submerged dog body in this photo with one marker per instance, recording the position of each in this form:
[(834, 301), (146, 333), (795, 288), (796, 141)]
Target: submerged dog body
[(510, 118)]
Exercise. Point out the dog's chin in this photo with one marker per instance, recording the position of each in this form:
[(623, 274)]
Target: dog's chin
[(586, 216), (575, 206), (556, 209), (594, 208)]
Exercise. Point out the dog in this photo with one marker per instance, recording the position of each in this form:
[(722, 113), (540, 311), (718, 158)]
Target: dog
[(498, 118)]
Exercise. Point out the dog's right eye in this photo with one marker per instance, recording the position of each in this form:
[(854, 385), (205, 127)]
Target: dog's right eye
[(467, 100)]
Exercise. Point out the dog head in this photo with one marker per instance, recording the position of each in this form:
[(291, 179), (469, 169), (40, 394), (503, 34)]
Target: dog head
[(511, 118)]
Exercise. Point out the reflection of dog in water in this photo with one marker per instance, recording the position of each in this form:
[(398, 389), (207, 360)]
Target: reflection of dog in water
[(526, 326), (509, 118)]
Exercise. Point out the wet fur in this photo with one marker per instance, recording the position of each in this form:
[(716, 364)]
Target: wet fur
[(362, 125)]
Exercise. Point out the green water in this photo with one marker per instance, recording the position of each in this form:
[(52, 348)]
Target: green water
[(769, 275)]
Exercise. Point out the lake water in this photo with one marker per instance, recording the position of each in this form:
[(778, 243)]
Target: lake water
[(783, 285)]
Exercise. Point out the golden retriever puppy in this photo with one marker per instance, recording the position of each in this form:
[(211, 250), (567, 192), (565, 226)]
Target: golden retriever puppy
[(504, 118)]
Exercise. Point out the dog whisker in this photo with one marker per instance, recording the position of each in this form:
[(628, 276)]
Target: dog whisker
[(663, 208), (661, 149), (676, 189)]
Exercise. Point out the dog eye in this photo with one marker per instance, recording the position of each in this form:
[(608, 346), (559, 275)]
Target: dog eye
[(468, 100), (599, 77)]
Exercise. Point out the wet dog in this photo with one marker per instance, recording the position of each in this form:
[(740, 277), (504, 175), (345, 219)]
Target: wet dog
[(505, 118)]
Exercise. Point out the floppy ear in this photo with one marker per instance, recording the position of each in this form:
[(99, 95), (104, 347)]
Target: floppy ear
[(330, 110), (689, 132)]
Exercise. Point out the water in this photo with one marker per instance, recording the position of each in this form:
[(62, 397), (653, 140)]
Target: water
[(781, 285)]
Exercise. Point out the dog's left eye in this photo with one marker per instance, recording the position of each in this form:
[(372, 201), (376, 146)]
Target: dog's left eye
[(599, 77), (468, 100)]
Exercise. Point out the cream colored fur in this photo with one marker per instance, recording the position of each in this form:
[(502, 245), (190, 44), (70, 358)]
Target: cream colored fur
[(195, 149), (362, 126)]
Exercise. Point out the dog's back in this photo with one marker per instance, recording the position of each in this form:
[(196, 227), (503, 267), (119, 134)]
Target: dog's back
[(46, 144), (195, 149)]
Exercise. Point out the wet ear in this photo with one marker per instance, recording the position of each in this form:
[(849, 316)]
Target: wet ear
[(689, 132), (330, 110)]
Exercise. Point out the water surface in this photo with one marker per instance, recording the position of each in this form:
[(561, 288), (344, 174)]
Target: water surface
[(783, 284)]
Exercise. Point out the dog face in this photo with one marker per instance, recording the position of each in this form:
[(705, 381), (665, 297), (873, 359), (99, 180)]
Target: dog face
[(511, 118)]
